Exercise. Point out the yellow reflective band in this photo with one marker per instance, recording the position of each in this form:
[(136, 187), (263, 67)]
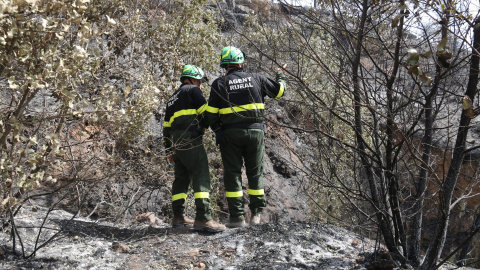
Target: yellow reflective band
[(179, 113), (202, 195), (187, 68), (242, 108), (211, 109), (179, 196), (255, 192), (202, 109), (280, 93), (226, 54), (234, 194)]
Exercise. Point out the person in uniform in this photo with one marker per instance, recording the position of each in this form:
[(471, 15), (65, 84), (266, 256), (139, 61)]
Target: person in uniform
[(235, 113), (183, 129)]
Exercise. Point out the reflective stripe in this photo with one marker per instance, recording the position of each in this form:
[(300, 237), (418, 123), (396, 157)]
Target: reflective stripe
[(241, 108), (179, 113), (255, 192), (202, 109), (179, 196), (234, 194), (280, 93), (211, 109), (226, 54), (202, 195)]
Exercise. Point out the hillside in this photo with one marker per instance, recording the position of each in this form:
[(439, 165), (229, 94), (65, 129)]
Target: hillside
[(286, 240), (373, 147)]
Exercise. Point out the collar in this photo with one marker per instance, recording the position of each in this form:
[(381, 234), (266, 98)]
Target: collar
[(235, 69)]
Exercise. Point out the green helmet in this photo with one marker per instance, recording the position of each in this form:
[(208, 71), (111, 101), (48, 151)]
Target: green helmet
[(193, 72), (231, 55)]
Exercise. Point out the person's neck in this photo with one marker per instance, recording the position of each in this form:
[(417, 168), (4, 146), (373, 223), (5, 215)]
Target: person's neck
[(234, 68), (189, 81)]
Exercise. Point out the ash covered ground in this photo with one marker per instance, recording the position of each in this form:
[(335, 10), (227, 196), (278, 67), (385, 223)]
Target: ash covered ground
[(88, 244)]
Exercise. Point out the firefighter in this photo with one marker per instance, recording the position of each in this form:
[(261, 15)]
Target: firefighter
[(183, 129), (235, 113)]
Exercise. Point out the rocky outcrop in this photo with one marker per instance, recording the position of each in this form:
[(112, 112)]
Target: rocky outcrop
[(233, 13)]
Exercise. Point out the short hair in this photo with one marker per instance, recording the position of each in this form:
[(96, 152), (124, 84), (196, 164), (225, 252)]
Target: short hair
[(232, 65)]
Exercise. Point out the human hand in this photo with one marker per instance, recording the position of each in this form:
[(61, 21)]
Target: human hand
[(282, 69)]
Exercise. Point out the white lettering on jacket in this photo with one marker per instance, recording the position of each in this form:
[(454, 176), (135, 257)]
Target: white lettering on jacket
[(241, 83), (172, 99)]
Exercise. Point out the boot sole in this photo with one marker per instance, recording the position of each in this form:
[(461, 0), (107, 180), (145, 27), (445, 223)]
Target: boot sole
[(233, 226), (207, 229), (236, 226)]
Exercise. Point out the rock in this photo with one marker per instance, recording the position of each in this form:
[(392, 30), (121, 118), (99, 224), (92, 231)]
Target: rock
[(119, 247), (194, 252), (183, 265), (230, 4), (148, 217), (230, 21), (280, 166), (241, 9), (360, 259), (355, 242), (201, 265)]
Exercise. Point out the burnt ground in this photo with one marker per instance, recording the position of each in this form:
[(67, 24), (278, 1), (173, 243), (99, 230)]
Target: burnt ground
[(88, 244)]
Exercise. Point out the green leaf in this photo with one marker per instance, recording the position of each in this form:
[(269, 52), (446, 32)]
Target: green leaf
[(441, 46), (413, 60)]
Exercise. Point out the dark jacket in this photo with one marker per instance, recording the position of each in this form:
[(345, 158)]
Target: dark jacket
[(184, 112), (238, 98)]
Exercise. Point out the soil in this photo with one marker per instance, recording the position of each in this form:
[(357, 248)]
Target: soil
[(152, 244)]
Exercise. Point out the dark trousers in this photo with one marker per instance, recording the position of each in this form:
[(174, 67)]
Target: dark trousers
[(243, 146), (191, 167)]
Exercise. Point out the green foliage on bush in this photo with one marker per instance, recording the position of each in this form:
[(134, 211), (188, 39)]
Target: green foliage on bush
[(80, 80)]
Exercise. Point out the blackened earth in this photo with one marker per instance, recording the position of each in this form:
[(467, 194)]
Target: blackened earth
[(88, 244)]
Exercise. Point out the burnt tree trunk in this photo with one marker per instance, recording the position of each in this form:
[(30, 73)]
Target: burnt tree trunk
[(436, 246)]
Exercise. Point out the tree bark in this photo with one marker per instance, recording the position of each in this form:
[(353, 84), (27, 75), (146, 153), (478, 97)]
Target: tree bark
[(380, 202), (436, 246), (468, 245)]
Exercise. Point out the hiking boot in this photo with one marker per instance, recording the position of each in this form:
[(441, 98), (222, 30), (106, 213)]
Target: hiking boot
[(238, 224), (255, 219), (180, 221), (208, 226)]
